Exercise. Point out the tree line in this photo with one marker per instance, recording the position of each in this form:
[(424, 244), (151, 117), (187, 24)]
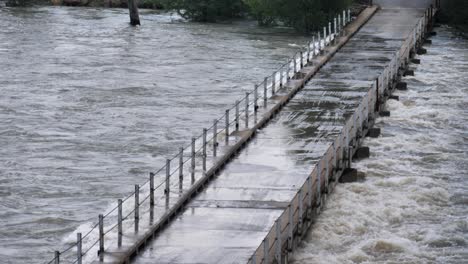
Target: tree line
[(303, 15)]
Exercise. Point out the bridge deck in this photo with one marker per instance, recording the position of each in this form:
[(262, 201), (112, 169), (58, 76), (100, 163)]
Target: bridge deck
[(230, 218)]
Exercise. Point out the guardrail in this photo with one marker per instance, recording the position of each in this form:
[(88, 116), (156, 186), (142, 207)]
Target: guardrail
[(190, 158), (338, 156)]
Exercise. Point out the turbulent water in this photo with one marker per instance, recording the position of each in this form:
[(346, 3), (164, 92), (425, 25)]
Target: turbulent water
[(90, 105), (413, 207)]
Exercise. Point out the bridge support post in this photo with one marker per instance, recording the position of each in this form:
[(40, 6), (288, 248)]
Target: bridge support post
[(119, 222), (79, 253)]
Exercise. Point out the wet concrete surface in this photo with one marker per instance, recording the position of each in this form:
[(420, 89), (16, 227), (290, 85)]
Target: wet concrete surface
[(228, 220)]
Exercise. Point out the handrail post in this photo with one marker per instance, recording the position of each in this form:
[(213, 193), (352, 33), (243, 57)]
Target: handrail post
[(101, 234), (301, 210), (290, 225), (237, 115), (265, 91), (295, 64), (288, 69), (193, 159), (325, 37), (57, 257), (205, 131), (344, 18), (273, 83), (340, 28), (349, 15), (308, 52), (302, 58), (119, 223), (167, 189), (314, 44), (278, 241), (281, 77), (137, 207), (247, 110), (256, 98), (310, 190), (335, 30), (215, 137), (181, 165), (227, 126), (151, 189), (266, 250), (330, 31), (319, 43), (319, 182), (79, 253)]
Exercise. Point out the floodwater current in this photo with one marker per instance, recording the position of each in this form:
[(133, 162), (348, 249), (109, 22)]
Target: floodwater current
[(413, 206), (90, 105)]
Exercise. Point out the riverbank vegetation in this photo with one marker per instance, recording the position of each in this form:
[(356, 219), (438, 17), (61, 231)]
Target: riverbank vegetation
[(305, 16), (455, 12)]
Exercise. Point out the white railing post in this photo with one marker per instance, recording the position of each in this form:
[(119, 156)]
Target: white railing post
[(227, 126), (205, 131), (137, 207), (215, 136), (193, 153), (79, 253), (101, 234), (168, 177), (119, 223)]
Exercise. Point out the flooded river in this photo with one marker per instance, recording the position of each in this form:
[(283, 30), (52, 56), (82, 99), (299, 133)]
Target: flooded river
[(90, 105), (413, 207)]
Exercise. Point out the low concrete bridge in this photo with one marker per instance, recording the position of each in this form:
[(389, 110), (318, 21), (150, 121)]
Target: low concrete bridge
[(250, 186)]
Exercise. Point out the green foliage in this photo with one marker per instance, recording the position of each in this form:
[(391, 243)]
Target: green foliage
[(207, 10), (304, 15), (455, 12)]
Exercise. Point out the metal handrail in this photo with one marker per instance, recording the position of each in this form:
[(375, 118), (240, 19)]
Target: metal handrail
[(285, 75)]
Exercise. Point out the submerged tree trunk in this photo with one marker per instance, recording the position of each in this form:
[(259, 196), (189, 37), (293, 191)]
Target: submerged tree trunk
[(133, 9)]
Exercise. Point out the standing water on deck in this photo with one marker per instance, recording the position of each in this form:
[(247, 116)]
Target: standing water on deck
[(413, 207), (89, 106)]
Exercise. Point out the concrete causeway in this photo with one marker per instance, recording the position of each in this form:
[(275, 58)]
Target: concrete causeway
[(257, 207)]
